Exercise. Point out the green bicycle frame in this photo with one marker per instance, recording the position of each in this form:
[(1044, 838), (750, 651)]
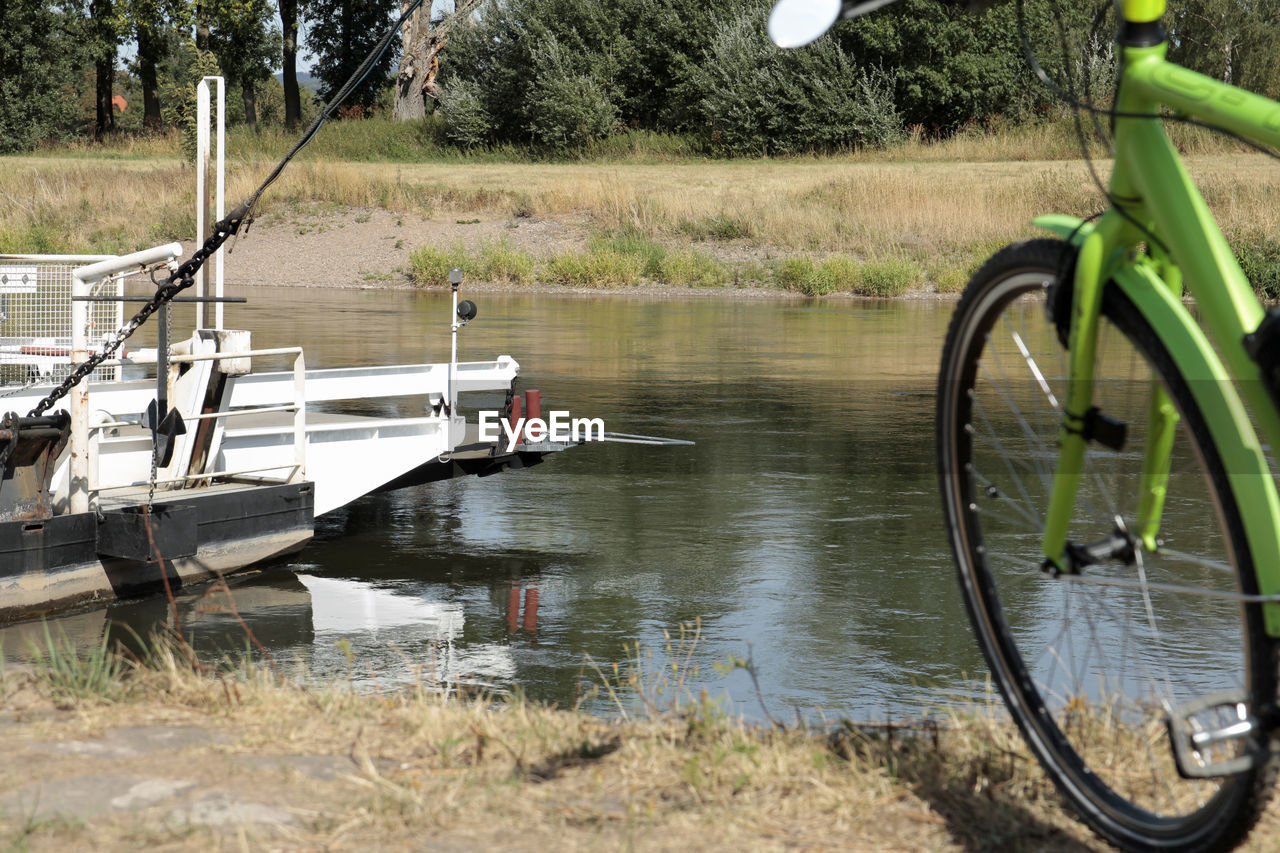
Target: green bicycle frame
[(1149, 185)]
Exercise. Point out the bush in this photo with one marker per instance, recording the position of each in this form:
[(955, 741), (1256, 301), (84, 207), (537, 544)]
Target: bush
[(1259, 257), (842, 274), (722, 227), (800, 274), (429, 266), (501, 263), (949, 278), (467, 120), (888, 278), (649, 252), (567, 109), (691, 268), (598, 268)]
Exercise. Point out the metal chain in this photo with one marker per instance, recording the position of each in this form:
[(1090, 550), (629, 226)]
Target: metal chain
[(151, 488), (13, 392), (155, 437)]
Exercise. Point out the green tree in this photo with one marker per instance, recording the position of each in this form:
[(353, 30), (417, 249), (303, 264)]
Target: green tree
[(952, 67), (1236, 41), (341, 35), (568, 107), (187, 66), (155, 25), (554, 72), (244, 38), (40, 57), (757, 99)]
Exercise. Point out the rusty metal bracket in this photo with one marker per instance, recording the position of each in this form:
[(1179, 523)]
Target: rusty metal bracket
[(29, 448)]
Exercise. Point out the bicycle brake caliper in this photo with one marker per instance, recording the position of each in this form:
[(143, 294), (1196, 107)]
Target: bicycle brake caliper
[(1214, 736)]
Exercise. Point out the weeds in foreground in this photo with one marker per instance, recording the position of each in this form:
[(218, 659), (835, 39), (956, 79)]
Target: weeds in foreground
[(72, 675)]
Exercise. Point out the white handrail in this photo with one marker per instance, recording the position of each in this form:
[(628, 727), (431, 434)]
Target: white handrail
[(95, 272)]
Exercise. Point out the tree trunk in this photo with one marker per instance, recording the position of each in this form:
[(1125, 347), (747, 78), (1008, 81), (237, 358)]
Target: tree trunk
[(289, 27), (104, 78), (250, 98), (148, 56), (420, 59), (202, 27), (104, 66)]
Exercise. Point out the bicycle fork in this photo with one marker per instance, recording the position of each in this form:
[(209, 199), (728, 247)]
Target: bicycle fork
[(1083, 422), (1206, 734)]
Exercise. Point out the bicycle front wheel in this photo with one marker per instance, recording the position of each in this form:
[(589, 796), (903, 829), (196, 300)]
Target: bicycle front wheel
[(1093, 665)]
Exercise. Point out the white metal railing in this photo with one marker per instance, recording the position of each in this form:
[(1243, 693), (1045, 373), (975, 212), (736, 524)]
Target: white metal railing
[(36, 311), (83, 279), (299, 409), (297, 468)]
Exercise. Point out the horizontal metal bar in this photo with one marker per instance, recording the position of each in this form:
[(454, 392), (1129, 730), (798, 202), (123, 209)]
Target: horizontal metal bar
[(217, 356), (206, 476), (149, 298), (235, 412), (55, 259), (93, 272), (33, 433)]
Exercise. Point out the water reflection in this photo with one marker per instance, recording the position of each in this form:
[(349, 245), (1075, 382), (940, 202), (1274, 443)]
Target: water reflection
[(801, 530)]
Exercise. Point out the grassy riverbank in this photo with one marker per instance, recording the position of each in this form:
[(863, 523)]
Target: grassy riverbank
[(109, 754), (106, 753), (916, 217)]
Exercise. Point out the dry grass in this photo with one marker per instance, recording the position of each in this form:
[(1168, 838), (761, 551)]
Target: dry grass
[(478, 773), (937, 211)]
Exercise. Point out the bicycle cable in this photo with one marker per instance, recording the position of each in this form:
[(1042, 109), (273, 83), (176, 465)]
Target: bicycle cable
[(1078, 105)]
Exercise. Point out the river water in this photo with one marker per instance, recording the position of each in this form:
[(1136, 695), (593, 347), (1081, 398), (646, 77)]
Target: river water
[(800, 533)]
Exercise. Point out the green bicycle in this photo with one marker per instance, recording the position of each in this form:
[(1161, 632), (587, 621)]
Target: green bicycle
[(1113, 517)]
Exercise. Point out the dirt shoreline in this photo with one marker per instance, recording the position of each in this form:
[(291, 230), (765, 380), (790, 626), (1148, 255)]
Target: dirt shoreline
[(369, 249), (202, 763)]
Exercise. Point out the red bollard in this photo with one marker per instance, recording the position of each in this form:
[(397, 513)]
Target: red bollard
[(532, 410), (531, 609), (533, 404)]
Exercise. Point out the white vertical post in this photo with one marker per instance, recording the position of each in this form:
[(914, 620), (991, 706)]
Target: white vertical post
[(455, 279), (203, 145), (78, 488), (299, 418), (202, 189), (220, 200)]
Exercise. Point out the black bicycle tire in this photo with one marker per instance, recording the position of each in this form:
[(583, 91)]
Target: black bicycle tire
[(1235, 808)]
